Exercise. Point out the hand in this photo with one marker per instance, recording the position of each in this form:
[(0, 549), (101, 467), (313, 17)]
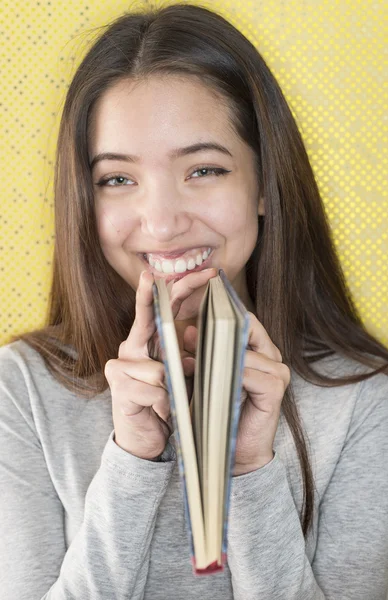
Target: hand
[(140, 402), (265, 380)]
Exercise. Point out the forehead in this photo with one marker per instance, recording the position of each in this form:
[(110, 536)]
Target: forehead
[(157, 109)]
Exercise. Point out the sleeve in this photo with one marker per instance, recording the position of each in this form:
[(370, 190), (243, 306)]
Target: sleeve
[(109, 556), (266, 549)]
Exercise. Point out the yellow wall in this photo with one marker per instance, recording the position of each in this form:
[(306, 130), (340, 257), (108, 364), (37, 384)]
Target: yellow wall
[(328, 57)]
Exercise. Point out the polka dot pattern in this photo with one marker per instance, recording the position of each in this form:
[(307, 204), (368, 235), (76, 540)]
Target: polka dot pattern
[(329, 60)]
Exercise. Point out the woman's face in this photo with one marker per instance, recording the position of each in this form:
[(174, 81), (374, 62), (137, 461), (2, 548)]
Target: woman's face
[(175, 181)]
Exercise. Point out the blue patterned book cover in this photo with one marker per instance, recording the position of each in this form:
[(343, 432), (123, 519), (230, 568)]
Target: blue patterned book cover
[(240, 349), (240, 344)]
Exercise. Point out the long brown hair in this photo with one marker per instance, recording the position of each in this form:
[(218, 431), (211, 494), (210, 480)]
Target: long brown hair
[(294, 276)]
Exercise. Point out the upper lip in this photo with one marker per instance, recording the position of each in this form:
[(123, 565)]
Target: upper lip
[(174, 253)]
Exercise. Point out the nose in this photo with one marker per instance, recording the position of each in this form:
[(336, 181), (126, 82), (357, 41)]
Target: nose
[(165, 216)]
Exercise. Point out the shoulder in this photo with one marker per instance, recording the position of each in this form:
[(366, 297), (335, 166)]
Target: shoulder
[(20, 366), (355, 397), (20, 363), (33, 400), (28, 385), (332, 416), (16, 359)]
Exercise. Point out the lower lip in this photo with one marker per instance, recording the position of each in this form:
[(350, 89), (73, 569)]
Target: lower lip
[(176, 276)]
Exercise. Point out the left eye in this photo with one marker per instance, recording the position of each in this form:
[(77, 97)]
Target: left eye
[(106, 181), (204, 171)]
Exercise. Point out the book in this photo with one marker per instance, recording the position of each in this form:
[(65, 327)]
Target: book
[(205, 427)]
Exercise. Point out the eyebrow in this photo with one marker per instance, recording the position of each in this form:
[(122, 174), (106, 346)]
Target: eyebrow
[(176, 153)]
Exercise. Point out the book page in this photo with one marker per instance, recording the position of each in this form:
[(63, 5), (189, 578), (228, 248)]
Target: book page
[(219, 404), (197, 402), (207, 366)]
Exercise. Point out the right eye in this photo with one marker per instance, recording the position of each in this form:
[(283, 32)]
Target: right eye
[(106, 181)]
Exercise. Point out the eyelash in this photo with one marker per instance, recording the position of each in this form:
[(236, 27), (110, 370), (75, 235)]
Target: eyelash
[(216, 170)]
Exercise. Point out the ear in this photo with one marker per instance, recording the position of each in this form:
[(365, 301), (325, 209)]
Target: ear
[(261, 209)]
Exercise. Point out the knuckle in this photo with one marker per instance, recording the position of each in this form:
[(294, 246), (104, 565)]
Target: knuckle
[(160, 373), (252, 317), (116, 376), (286, 373), (159, 396), (122, 347), (110, 369)]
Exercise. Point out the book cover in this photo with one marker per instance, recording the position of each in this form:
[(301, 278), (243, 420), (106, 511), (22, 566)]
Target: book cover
[(177, 435), (241, 346), (197, 542)]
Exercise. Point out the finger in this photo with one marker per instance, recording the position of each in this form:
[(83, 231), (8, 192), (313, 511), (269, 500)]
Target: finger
[(190, 337), (144, 326), (132, 400), (150, 372), (259, 340), (265, 391), (188, 366), (183, 288), (261, 362)]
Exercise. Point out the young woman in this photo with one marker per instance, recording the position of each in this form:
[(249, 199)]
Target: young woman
[(178, 155)]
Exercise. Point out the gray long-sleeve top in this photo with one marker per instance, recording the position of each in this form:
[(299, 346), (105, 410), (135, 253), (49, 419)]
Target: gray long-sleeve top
[(82, 519)]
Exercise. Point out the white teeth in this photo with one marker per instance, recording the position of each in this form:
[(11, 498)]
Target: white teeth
[(167, 266), (180, 266)]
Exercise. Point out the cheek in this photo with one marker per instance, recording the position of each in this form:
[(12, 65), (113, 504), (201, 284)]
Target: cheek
[(237, 223), (237, 217), (112, 229)]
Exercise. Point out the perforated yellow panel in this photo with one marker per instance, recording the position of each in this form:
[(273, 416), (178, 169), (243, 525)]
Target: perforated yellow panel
[(329, 59)]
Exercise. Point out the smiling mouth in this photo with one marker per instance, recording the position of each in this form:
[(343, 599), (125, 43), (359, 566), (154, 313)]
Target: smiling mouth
[(178, 268)]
